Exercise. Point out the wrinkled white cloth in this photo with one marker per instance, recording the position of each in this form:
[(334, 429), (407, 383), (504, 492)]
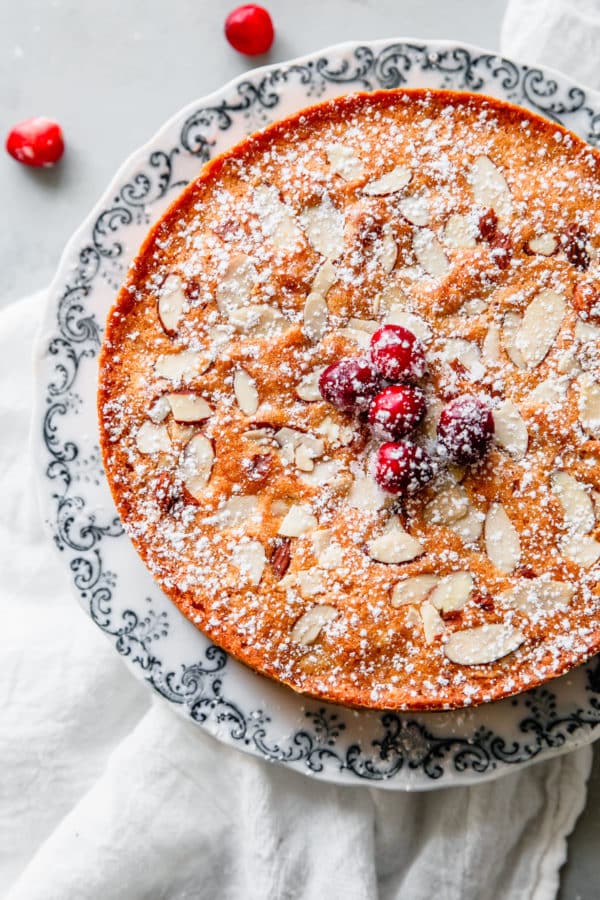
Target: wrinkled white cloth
[(106, 794)]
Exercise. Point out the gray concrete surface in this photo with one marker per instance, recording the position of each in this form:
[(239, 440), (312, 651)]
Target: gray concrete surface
[(111, 72)]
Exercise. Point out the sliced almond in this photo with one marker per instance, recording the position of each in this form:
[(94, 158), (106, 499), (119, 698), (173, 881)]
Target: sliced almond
[(188, 408), (171, 301), (368, 325), (467, 353), (258, 320), (325, 278), (502, 541), (244, 388), (549, 391), (452, 592), (461, 232), (151, 438), (277, 220), (449, 504), (365, 494), (298, 520), (235, 511), (585, 332), (159, 410), (510, 328), (235, 288), (535, 596), (433, 624), (430, 253), (468, 528), (358, 335), (413, 590), (399, 316), (473, 307), (196, 465), (415, 210), (582, 550), (316, 313), (540, 324), (589, 405), (308, 627), (395, 545), (482, 645), (308, 388), (344, 161), (510, 430), (392, 181), (181, 366), (250, 558), (578, 508), (324, 226), (490, 350), (261, 436), (490, 188), (389, 250), (321, 473), (544, 245)]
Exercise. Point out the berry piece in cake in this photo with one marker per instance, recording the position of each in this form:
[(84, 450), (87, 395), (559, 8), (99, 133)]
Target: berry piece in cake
[(397, 354), (396, 410), (465, 430), (36, 142), (402, 467), (249, 29), (349, 384)]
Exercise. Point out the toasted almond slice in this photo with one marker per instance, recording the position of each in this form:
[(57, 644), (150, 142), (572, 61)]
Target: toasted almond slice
[(250, 558), (332, 556), (544, 245), (484, 644), (589, 405), (449, 504), (308, 388), (540, 325), (433, 624), (502, 541), (159, 410), (397, 315), (490, 350), (510, 430), (258, 320), (324, 226), (320, 540), (467, 353), (358, 335), (510, 328), (452, 592), (236, 286), (244, 388), (392, 181), (368, 325), (152, 438), (535, 596), (582, 550), (578, 509), (474, 307), (549, 391), (415, 210), (325, 278), (188, 407), (344, 161), (394, 545), (461, 231), (489, 186), (196, 465), (278, 221), (321, 473), (298, 520), (316, 313), (414, 589), (308, 627), (337, 435), (181, 366), (261, 436), (468, 528), (430, 253), (367, 495), (235, 511), (171, 301), (585, 332), (389, 250)]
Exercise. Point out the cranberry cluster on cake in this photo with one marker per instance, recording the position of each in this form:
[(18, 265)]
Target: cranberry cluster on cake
[(349, 400)]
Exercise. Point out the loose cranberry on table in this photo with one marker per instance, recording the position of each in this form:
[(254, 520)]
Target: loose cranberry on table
[(396, 410), (36, 142), (465, 430), (397, 354), (402, 467), (349, 384), (249, 29)]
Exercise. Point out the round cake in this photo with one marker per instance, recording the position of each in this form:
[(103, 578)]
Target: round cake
[(349, 400)]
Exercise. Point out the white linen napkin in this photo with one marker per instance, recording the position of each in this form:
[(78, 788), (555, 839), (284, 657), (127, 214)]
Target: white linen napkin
[(108, 794)]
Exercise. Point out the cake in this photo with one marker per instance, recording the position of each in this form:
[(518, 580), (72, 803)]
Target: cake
[(349, 400)]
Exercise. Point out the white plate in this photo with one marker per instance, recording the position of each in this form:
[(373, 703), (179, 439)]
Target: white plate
[(242, 709)]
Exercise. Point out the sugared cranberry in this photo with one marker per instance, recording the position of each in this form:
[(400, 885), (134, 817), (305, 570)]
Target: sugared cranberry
[(402, 467), (36, 142), (397, 354), (396, 410), (249, 29), (465, 430), (349, 383)]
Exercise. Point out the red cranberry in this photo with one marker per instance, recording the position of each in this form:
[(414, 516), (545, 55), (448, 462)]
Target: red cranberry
[(349, 383), (36, 142), (465, 430), (402, 467), (396, 410), (397, 354), (249, 29)]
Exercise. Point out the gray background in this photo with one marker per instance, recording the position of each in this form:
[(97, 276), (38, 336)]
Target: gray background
[(112, 71)]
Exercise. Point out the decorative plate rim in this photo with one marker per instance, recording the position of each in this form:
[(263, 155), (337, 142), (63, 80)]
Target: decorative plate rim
[(315, 754)]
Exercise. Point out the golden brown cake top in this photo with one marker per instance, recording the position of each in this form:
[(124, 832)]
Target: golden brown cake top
[(254, 501)]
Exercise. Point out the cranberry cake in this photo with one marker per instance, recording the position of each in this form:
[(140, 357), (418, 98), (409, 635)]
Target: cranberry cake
[(349, 400)]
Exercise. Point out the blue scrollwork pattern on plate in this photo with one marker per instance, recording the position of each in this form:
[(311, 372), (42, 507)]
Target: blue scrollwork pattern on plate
[(396, 742)]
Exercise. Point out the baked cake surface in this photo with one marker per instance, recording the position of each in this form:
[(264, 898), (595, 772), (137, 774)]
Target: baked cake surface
[(252, 500)]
